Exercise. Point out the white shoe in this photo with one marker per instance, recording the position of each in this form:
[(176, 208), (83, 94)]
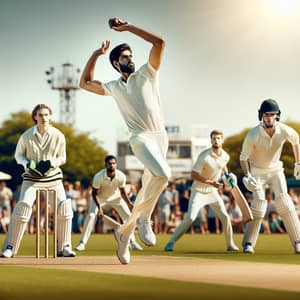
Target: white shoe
[(169, 247), (248, 248), (135, 246), (233, 248), (80, 247), (146, 234), (297, 247), (8, 253), (123, 252), (67, 252)]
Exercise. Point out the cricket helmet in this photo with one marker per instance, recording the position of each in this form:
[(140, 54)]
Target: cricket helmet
[(269, 106)]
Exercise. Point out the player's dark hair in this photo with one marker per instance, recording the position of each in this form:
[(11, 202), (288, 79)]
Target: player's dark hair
[(216, 132), (116, 52), (109, 157), (37, 108)]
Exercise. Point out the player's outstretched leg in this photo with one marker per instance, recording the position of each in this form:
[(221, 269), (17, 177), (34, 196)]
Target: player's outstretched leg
[(88, 226)]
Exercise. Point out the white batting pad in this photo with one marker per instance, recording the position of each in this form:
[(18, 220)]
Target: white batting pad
[(17, 226), (64, 224), (258, 208), (287, 212)]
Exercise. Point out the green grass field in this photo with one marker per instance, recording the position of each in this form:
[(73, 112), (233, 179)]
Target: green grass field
[(16, 282)]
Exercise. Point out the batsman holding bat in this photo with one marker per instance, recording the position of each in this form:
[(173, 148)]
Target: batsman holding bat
[(137, 95), (210, 165), (260, 162)]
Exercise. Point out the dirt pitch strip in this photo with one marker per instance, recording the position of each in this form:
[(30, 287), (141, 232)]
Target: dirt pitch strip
[(244, 274)]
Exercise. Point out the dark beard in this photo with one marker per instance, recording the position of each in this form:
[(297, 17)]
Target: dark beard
[(126, 69)]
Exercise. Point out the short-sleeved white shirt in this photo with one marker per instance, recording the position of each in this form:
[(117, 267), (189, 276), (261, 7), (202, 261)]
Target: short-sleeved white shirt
[(138, 100), (109, 189), (210, 166), (262, 151)]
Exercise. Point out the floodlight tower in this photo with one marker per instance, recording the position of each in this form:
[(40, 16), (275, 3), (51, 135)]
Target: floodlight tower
[(66, 82)]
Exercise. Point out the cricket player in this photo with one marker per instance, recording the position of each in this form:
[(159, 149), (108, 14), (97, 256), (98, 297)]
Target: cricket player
[(41, 150), (108, 192), (137, 96), (260, 162), (207, 171)]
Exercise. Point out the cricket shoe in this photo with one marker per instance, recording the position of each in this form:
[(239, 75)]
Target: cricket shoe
[(80, 247), (233, 248), (145, 231), (248, 248), (135, 246), (123, 252), (169, 247), (8, 252), (67, 252), (297, 247)]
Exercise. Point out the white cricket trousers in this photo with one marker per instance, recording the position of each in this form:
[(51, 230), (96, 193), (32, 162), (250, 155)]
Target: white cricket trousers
[(151, 150), (198, 201), (283, 203), (22, 213), (118, 204)]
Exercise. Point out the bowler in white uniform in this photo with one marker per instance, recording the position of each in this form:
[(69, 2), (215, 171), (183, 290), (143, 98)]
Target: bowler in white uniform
[(137, 96)]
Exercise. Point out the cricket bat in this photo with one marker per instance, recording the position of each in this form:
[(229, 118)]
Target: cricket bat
[(111, 222), (241, 201)]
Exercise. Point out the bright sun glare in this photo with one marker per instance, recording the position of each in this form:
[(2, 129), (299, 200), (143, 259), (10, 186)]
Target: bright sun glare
[(285, 7)]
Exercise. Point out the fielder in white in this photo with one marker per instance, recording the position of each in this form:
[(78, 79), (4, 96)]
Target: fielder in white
[(260, 162), (108, 192), (41, 150), (207, 171), (137, 96)]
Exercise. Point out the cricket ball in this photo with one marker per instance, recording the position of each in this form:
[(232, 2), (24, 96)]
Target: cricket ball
[(114, 22)]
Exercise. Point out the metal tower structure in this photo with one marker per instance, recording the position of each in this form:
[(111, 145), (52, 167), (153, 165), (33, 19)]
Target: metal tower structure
[(65, 80)]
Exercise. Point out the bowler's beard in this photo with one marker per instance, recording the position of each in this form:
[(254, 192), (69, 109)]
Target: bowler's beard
[(126, 69), (268, 126)]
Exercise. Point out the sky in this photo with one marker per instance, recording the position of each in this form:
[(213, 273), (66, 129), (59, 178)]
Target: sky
[(222, 58)]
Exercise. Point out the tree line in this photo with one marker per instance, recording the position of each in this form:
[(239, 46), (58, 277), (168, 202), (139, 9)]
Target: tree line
[(85, 155)]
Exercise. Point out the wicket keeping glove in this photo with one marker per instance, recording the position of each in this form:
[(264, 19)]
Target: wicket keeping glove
[(31, 165), (229, 179), (297, 171), (44, 166), (250, 183)]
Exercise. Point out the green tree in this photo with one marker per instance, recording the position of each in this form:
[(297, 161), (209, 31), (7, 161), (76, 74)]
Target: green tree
[(233, 145), (84, 154)]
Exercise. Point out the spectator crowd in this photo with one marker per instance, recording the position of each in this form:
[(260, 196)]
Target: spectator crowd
[(169, 211)]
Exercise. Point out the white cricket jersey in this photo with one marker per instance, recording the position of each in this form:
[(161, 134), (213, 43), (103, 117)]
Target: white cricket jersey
[(138, 100), (32, 146), (262, 151), (109, 189), (209, 166)]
